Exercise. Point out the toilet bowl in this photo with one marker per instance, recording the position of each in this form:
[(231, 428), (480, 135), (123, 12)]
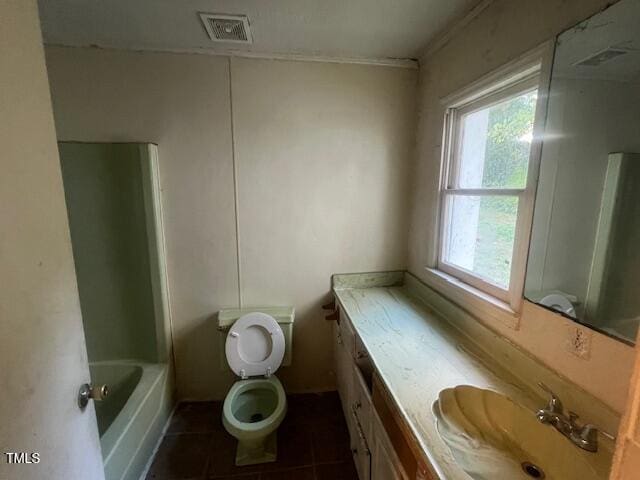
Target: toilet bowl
[(255, 405)]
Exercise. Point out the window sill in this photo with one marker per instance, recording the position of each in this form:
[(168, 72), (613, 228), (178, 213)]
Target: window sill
[(479, 304)]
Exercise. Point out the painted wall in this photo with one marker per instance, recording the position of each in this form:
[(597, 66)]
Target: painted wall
[(502, 32), (322, 164), (42, 352), (105, 204)]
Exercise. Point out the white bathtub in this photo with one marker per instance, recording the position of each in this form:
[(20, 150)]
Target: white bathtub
[(131, 417)]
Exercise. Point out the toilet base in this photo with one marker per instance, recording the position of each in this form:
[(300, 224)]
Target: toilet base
[(252, 452)]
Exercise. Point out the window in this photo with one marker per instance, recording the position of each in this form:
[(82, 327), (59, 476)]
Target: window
[(484, 212)]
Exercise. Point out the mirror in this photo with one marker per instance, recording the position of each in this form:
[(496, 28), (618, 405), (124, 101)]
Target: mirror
[(584, 258)]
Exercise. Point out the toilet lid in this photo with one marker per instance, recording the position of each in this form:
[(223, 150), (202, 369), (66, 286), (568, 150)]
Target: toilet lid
[(255, 345)]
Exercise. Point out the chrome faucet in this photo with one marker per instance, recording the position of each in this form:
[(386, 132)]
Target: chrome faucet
[(583, 436)]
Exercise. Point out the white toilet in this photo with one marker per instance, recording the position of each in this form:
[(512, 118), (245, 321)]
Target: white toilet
[(255, 406)]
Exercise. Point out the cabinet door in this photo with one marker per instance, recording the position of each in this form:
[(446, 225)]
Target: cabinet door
[(385, 464), (343, 369), (362, 405), (359, 448)]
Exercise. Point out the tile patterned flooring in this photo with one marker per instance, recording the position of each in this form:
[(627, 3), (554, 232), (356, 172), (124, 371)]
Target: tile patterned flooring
[(313, 444)]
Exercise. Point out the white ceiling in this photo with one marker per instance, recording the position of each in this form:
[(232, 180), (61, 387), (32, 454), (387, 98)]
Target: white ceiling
[(357, 29), (615, 27)]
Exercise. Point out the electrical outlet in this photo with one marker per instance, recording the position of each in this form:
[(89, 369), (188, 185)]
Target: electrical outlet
[(578, 341)]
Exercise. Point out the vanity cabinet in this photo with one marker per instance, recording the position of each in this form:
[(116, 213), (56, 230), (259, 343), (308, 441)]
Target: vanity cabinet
[(385, 464), (343, 350), (362, 405), (373, 452)]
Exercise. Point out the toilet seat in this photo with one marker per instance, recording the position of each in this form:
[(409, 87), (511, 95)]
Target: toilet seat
[(255, 345)]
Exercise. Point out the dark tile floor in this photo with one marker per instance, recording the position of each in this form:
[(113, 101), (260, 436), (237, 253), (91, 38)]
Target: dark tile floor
[(313, 444)]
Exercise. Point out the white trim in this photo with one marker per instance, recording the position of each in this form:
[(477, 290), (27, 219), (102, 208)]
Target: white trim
[(545, 206), (545, 52), (522, 81), (409, 63), (478, 303), (236, 198), (517, 69), (452, 30), (529, 69), (485, 192), (473, 280), (501, 91)]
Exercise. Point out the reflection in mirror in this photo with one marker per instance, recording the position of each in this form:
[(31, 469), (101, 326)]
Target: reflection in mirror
[(584, 258)]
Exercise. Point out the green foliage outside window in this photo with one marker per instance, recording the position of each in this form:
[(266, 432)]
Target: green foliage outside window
[(506, 165)]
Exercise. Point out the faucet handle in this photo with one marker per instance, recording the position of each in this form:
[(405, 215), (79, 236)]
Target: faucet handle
[(588, 431), (586, 437), (587, 427), (555, 405), (573, 416), (607, 435)]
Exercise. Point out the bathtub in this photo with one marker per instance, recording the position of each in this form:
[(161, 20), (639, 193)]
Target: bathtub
[(131, 418)]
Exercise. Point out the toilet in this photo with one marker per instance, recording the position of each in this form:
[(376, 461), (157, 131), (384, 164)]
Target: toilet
[(255, 406)]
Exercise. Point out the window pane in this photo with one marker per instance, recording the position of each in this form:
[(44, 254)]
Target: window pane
[(480, 235), (495, 144)]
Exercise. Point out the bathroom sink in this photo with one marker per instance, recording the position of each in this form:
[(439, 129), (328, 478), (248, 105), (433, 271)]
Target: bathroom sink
[(491, 436)]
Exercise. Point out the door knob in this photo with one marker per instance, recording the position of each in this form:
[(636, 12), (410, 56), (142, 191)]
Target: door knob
[(87, 391)]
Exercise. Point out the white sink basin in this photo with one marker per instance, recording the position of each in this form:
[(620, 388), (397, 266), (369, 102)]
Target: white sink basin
[(492, 437)]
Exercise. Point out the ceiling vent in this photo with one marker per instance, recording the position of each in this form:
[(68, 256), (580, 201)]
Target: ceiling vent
[(601, 57), (227, 28)]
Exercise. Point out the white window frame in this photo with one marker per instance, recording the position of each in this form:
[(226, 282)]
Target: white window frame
[(450, 188), (465, 288)]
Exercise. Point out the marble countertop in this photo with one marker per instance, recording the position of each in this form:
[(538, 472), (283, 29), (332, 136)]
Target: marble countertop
[(417, 353)]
